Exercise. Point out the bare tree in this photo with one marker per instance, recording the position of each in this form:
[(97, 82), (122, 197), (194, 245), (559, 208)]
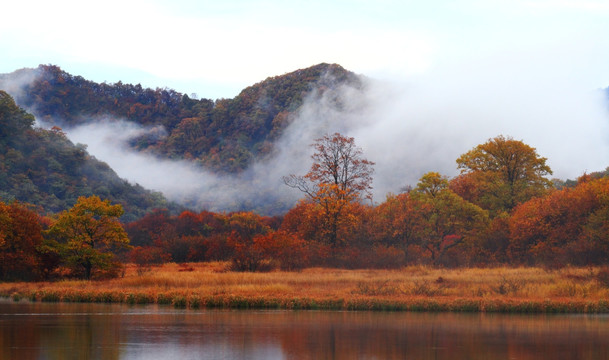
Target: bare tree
[(337, 161)]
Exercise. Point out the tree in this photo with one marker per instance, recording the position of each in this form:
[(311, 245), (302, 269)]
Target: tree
[(88, 234), (20, 239), (432, 184), (569, 226), (448, 219), (15, 121), (289, 250), (339, 175), (339, 163), (244, 228), (397, 221), (145, 257), (507, 172)]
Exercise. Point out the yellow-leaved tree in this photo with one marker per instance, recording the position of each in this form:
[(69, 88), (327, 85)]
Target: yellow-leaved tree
[(88, 235), (501, 173), (447, 220)]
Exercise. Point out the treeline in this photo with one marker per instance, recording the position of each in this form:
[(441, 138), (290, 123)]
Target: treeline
[(45, 168), (81, 242), (222, 135), (501, 210), (569, 226)]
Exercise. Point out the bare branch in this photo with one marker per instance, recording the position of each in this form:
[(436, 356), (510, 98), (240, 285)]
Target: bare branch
[(300, 183)]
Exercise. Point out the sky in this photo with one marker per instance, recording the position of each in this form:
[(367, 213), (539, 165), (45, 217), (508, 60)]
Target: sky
[(216, 48), (446, 76)]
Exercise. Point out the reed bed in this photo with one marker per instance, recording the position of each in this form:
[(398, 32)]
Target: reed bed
[(414, 288)]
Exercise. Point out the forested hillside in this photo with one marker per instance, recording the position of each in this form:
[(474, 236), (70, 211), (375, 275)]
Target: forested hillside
[(224, 135), (44, 168)]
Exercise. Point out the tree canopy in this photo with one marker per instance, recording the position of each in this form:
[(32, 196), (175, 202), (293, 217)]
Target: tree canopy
[(505, 172), (20, 238), (568, 226), (89, 234), (338, 176), (448, 220), (337, 163)]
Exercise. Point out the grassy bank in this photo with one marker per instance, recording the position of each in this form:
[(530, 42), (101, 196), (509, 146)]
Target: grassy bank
[(210, 285)]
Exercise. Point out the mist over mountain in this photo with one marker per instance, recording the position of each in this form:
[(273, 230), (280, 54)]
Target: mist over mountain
[(224, 135), (223, 155), (230, 154), (44, 168)]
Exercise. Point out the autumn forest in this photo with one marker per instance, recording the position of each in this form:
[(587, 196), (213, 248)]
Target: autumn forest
[(64, 214)]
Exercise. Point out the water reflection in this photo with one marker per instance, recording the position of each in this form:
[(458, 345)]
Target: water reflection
[(96, 331)]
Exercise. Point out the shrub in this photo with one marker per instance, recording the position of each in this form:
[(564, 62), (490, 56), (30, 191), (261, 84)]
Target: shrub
[(387, 257), (145, 257), (163, 299), (179, 301), (602, 276), (287, 249), (195, 301)]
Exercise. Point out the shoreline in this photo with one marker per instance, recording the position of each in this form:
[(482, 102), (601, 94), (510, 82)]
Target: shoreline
[(195, 301), (416, 289)]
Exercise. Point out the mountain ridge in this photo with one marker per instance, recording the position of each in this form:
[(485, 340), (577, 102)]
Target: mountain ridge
[(223, 135)]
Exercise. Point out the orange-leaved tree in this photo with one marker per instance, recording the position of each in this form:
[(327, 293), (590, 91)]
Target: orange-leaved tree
[(398, 221), (569, 226), (244, 228), (21, 240), (338, 176), (289, 250)]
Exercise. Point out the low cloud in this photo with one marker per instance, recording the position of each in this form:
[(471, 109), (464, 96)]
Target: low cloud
[(412, 127), (181, 181), (407, 127)]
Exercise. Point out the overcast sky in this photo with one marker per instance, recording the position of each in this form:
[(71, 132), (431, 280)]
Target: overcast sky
[(216, 48)]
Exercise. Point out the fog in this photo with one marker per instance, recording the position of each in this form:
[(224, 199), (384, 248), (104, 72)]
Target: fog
[(426, 124), (182, 181), (407, 127)]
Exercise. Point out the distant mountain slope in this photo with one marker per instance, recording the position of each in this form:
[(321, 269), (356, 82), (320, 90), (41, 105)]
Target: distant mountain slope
[(44, 168), (224, 135)]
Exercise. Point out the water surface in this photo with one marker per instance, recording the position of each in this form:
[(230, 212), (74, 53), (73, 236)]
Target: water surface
[(101, 331)]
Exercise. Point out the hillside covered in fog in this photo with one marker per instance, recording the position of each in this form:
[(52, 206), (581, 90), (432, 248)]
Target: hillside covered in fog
[(43, 168), (224, 135), (231, 154)]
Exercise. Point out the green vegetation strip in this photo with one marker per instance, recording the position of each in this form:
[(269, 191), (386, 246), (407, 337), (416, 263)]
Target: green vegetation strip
[(419, 304)]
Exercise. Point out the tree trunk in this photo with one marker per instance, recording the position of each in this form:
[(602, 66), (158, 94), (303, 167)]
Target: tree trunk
[(88, 269)]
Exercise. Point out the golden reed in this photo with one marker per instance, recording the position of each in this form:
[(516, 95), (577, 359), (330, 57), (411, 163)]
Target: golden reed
[(414, 288)]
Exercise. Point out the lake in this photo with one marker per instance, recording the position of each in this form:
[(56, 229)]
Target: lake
[(104, 331)]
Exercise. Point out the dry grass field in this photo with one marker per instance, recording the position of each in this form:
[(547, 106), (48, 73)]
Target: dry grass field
[(415, 288)]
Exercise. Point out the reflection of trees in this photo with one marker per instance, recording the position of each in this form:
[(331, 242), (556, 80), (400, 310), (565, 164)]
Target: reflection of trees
[(441, 336), (60, 331), (70, 334)]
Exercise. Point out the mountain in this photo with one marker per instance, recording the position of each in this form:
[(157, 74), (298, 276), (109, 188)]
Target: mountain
[(224, 135), (44, 168)]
